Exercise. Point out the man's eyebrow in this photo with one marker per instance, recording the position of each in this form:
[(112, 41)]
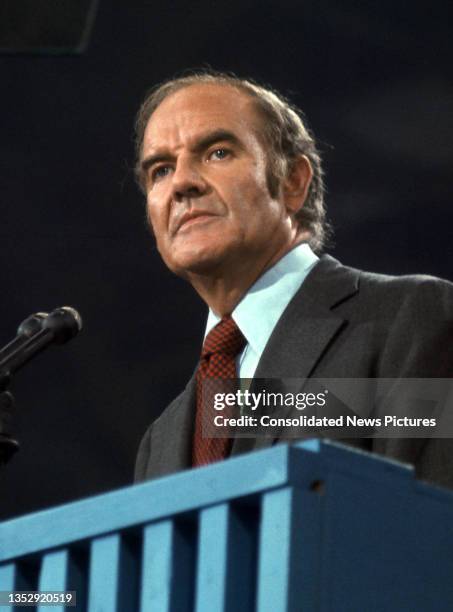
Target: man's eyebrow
[(155, 159), (217, 136), (202, 143)]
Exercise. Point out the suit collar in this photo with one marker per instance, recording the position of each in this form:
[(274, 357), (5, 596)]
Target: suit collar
[(309, 322), (269, 296), (305, 330)]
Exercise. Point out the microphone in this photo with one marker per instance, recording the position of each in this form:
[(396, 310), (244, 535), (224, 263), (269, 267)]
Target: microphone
[(32, 324), (33, 335), (28, 328), (36, 333)]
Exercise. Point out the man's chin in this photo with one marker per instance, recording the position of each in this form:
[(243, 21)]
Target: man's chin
[(205, 264)]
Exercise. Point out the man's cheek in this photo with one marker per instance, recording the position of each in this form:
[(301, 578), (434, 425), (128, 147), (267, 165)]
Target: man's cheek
[(154, 220)]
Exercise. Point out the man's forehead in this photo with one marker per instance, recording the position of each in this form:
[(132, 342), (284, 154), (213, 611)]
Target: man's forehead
[(201, 107), (206, 96)]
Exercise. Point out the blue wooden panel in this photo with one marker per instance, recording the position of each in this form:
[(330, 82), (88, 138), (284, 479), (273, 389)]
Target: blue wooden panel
[(239, 476), (62, 571), (281, 553), (54, 570), (225, 574), (8, 574), (212, 560), (386, 547), (370, 538), (113, 583), (104, 574), (53, 576), (8, 581), (334, 456), (167, 568)]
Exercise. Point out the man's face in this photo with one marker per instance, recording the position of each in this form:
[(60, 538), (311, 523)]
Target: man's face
[(207, 195)]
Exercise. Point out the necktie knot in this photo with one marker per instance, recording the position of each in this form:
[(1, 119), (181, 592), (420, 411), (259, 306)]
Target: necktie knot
[(225, 338)]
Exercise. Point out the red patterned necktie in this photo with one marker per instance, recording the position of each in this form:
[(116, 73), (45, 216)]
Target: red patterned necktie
[(218, 360)]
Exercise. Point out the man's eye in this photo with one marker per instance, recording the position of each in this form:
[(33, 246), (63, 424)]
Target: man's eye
[(219, 154), (160, 172)]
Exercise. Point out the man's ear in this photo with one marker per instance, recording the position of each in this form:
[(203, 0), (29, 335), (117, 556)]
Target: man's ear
[(297, 183)]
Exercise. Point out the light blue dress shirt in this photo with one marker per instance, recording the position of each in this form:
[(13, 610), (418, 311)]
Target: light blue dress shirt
[(258, 312)]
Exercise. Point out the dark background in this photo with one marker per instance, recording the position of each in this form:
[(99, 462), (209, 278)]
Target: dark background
[(374, 80)]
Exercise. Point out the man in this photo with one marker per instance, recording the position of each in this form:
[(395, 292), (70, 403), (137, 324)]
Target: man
[(234, 192)]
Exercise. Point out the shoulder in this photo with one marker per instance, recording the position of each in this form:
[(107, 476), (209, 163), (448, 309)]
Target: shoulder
[(389, 294), (404, 322), (407, 321), (422, 285), (330, 267)]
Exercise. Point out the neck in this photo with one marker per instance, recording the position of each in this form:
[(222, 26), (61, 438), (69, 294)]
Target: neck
[(222, 294), (223, 289)]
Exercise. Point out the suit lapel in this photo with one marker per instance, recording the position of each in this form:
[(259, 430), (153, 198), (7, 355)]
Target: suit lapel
[(304, 332)]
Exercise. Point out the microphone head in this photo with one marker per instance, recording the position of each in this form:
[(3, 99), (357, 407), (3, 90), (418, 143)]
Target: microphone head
[(64, 322), (32, 324)]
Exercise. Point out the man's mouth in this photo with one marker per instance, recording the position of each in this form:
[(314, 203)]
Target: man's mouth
[(192, 218)]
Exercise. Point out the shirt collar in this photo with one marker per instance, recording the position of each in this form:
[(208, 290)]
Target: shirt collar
[(258, 312)]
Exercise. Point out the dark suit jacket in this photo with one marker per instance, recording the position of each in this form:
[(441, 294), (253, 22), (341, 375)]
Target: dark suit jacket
[(342, 323)]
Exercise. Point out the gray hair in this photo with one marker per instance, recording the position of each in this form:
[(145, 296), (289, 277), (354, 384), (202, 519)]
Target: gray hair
[(284, 131)]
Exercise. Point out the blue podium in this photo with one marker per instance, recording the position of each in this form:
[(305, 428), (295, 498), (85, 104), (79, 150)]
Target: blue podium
[(315, 526)]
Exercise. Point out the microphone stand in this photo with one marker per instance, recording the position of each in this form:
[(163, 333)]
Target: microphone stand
[(8, 445)]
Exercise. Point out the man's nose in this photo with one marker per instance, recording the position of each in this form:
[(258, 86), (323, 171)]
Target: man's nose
[(187, 180)]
